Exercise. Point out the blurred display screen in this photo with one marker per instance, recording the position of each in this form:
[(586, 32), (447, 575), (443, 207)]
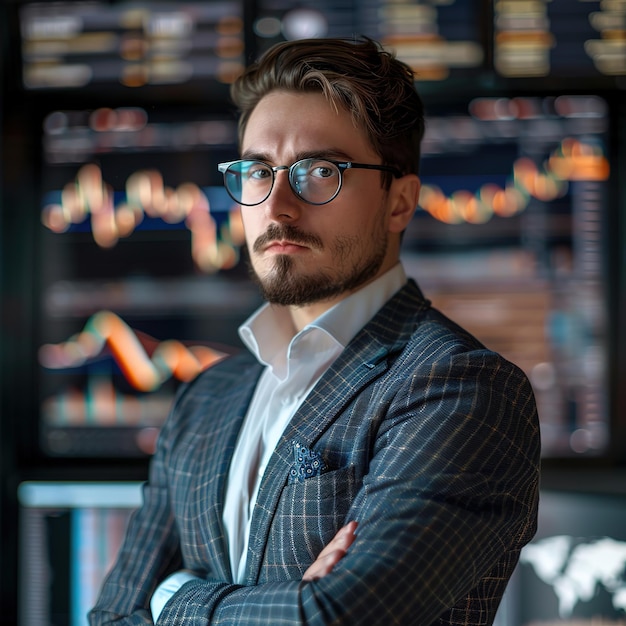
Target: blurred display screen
[(77, 44), (437, 39), (509, 241), (443, 39), (573, 573), (142, 284), (70, 533), (575, 38)]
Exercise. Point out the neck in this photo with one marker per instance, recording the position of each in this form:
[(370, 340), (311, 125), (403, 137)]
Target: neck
[(303, 315)]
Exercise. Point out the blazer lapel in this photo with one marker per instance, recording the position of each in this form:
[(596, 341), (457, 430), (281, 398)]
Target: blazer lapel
[(364, 359), (215, 454)]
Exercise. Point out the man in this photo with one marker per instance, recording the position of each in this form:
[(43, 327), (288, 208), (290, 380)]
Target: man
[(369, 462)]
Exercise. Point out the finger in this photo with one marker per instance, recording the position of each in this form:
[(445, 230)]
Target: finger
[(332, 553), (345, 536), (341, 541), (323, 565)]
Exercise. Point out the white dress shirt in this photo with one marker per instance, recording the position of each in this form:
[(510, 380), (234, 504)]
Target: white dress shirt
[(294, 362)]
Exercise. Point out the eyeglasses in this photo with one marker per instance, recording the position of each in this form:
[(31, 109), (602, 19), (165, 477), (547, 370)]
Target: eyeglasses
[(316, 181)]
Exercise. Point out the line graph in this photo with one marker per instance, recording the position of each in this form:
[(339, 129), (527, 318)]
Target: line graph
[(92, 394), (145, 362), (89, 197), (573, 160)]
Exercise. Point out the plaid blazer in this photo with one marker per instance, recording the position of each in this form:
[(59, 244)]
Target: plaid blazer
[(417, 431)]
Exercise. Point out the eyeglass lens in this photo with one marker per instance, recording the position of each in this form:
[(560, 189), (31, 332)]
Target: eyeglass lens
[(315, 181)]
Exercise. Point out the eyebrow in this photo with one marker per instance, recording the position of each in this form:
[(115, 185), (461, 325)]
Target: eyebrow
[(333, 154)]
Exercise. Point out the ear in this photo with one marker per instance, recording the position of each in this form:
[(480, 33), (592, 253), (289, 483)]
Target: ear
[(404, 198)]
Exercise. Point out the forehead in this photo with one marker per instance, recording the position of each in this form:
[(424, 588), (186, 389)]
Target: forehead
[(290, 123)]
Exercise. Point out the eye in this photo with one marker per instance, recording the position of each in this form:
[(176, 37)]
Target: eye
[(322, 169), (258, 171)]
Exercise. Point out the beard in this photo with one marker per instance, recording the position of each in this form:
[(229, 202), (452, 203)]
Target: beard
[(355, 262)]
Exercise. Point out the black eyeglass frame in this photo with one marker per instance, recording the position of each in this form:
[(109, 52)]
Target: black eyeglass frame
[(340, 165)]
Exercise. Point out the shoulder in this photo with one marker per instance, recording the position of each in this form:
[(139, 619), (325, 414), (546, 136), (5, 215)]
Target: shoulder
[(224, 377), (231, 370), (448, 383), (409, 323), (447, 352), (218, 389), (434, 352)]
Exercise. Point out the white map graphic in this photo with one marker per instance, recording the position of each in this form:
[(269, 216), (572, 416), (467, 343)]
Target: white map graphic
[(574, 570)]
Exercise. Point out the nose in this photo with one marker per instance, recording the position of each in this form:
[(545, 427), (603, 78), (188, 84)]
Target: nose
[(282, 205)]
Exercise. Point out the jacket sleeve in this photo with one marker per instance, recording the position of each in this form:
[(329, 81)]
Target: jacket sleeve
[(149, 553)]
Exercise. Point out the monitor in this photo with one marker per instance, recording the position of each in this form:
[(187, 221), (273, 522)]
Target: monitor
[(69, 535), (574, 570)]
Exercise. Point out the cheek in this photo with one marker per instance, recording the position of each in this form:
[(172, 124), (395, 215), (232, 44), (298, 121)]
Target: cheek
[(362, 218)]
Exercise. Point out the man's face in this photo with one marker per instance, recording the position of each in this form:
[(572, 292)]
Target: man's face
[(301, 253)]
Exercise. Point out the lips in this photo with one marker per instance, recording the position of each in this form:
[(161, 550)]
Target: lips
[(286, 237), (284, 247)]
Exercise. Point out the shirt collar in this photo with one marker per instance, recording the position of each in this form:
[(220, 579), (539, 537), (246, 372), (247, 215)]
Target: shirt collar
[(269, 330)]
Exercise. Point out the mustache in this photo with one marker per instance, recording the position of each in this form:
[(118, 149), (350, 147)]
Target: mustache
[(286, 232)]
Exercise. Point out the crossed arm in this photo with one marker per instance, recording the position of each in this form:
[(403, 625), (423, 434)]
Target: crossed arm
[(323, 565), (432, 533)]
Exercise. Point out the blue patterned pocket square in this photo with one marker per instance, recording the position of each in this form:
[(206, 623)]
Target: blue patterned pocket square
[(307, 463)]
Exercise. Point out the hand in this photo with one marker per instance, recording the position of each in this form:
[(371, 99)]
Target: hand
[(332, 553)]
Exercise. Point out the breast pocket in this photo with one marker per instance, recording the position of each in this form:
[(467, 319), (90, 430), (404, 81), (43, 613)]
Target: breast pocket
[(308, 516)]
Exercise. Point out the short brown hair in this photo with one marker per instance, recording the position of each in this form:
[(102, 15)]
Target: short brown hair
[(356, 75)]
